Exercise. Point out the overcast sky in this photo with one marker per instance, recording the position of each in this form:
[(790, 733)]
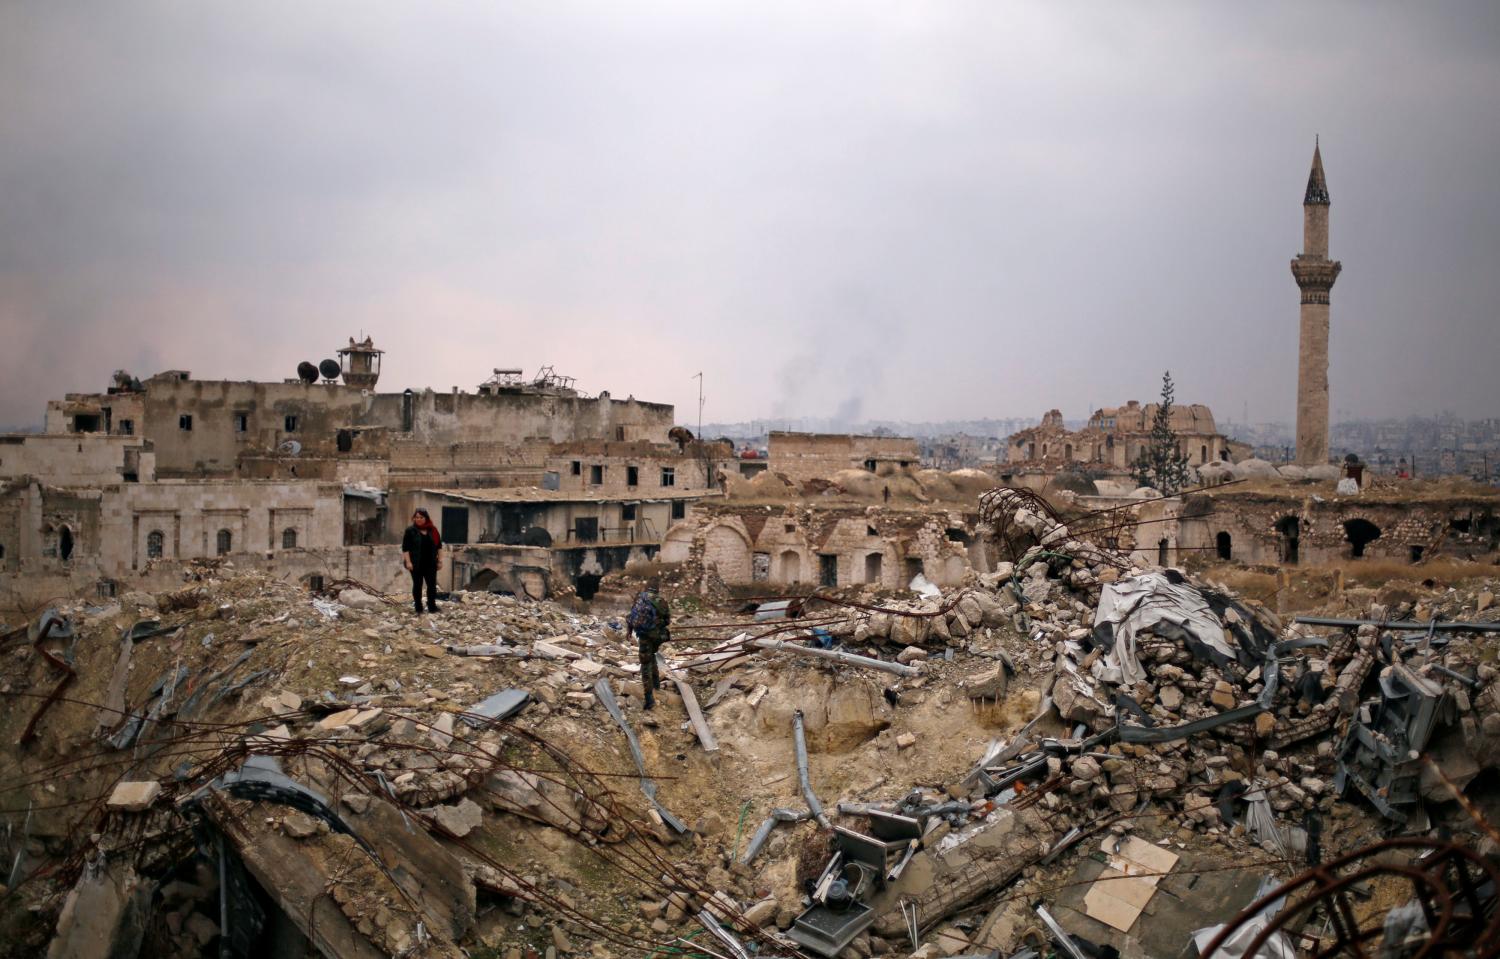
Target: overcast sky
[(898, 210)]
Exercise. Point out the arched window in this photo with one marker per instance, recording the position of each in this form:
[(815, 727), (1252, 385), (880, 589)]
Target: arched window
[(1068, 451), (288, 538), (156, 542), (1203, 454), (65, 543), (225, 541), (1224, 545)]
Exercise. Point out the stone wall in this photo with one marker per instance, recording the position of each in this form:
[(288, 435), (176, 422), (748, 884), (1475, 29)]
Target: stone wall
[(231, 418), (804, 456), (1262, 529), (75, 459), (805, 544)]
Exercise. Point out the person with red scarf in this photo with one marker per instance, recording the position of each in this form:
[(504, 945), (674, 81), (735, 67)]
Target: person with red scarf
[(422, 555)]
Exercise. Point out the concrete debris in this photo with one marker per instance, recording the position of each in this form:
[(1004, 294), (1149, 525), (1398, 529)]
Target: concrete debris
[(1063, 724), (134, 796)]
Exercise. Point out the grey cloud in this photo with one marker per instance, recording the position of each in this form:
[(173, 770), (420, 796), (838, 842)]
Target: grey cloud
[(915, 211)]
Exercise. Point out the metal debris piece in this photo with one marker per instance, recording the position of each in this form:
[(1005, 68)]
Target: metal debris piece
[(498, 707), (813, 806), (648, 786), (849, 659)]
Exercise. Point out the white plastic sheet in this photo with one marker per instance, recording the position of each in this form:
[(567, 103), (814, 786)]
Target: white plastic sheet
[(1131, 605)]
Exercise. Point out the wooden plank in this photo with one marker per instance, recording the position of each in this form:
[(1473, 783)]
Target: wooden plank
[(700, 725)]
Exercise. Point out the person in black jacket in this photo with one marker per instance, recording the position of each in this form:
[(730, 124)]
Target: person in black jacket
[(422, 555)]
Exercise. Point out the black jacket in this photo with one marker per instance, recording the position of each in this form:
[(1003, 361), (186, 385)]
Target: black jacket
[(424, 553)]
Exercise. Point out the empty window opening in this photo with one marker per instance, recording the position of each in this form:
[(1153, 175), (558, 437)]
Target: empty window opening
[(455, 524), (1290, 528), (288, 538), (105, 589), (314, 583), (577, 468), (873, 563), (956, 535), (870, 465), (344, 441), (242, 422), (871, 531), (913, 568), (86, 423), (1161, 552), (1416, 553), (1223, 546), (586, 529), (127, 427), (2, 551), (1067, 451), (679, 509), (1203, 454), (596, 475), (223, 542), (291, 424), (65, 543), (620, 433), (1031, 451), (789, 527), (1360, 533), (156, 542), (185, 422), (627, 512), (632, 476), (668, 476), (828, 569), (586, 585)]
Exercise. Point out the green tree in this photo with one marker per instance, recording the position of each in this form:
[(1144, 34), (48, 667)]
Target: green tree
[(1162, 465)]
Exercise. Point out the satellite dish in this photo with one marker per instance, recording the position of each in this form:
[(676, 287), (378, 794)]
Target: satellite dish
[(329, 369), (306, 372), (290, 448)]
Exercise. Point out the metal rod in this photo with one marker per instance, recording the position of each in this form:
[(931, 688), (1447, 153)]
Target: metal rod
[(1402, 625), (852, 659), (813, 806)]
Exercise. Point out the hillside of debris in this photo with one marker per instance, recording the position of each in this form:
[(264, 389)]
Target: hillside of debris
[(241, 767)]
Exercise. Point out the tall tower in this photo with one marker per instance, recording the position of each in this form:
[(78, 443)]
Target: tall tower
[(1315, 275)]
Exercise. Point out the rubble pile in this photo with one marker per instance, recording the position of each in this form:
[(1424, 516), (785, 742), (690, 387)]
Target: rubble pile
[(241, 762)]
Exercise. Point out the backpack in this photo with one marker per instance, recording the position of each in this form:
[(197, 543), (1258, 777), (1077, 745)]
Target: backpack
[(643, 618)]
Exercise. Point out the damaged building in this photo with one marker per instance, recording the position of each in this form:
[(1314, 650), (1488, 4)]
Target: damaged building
[(1111, 442), (316, 476)]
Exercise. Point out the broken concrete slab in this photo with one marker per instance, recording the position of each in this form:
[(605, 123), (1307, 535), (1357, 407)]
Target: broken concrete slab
[(105, 915), (134, 796)]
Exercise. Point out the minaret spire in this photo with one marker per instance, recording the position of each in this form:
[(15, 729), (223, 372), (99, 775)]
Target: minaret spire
[(1317, 186)]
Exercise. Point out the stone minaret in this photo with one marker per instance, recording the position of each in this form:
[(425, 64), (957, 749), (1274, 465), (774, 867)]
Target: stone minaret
[(1315, 274)]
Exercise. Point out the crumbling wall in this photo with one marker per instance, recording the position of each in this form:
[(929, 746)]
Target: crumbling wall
[(72, 459), (1258, 528), (809, 456)]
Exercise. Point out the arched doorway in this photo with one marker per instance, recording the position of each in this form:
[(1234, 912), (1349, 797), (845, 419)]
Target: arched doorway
[(873, 567), (1224, 545), (483, 581), (1360, 533), (791, 567), (1161, 552), (1290, 528)]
